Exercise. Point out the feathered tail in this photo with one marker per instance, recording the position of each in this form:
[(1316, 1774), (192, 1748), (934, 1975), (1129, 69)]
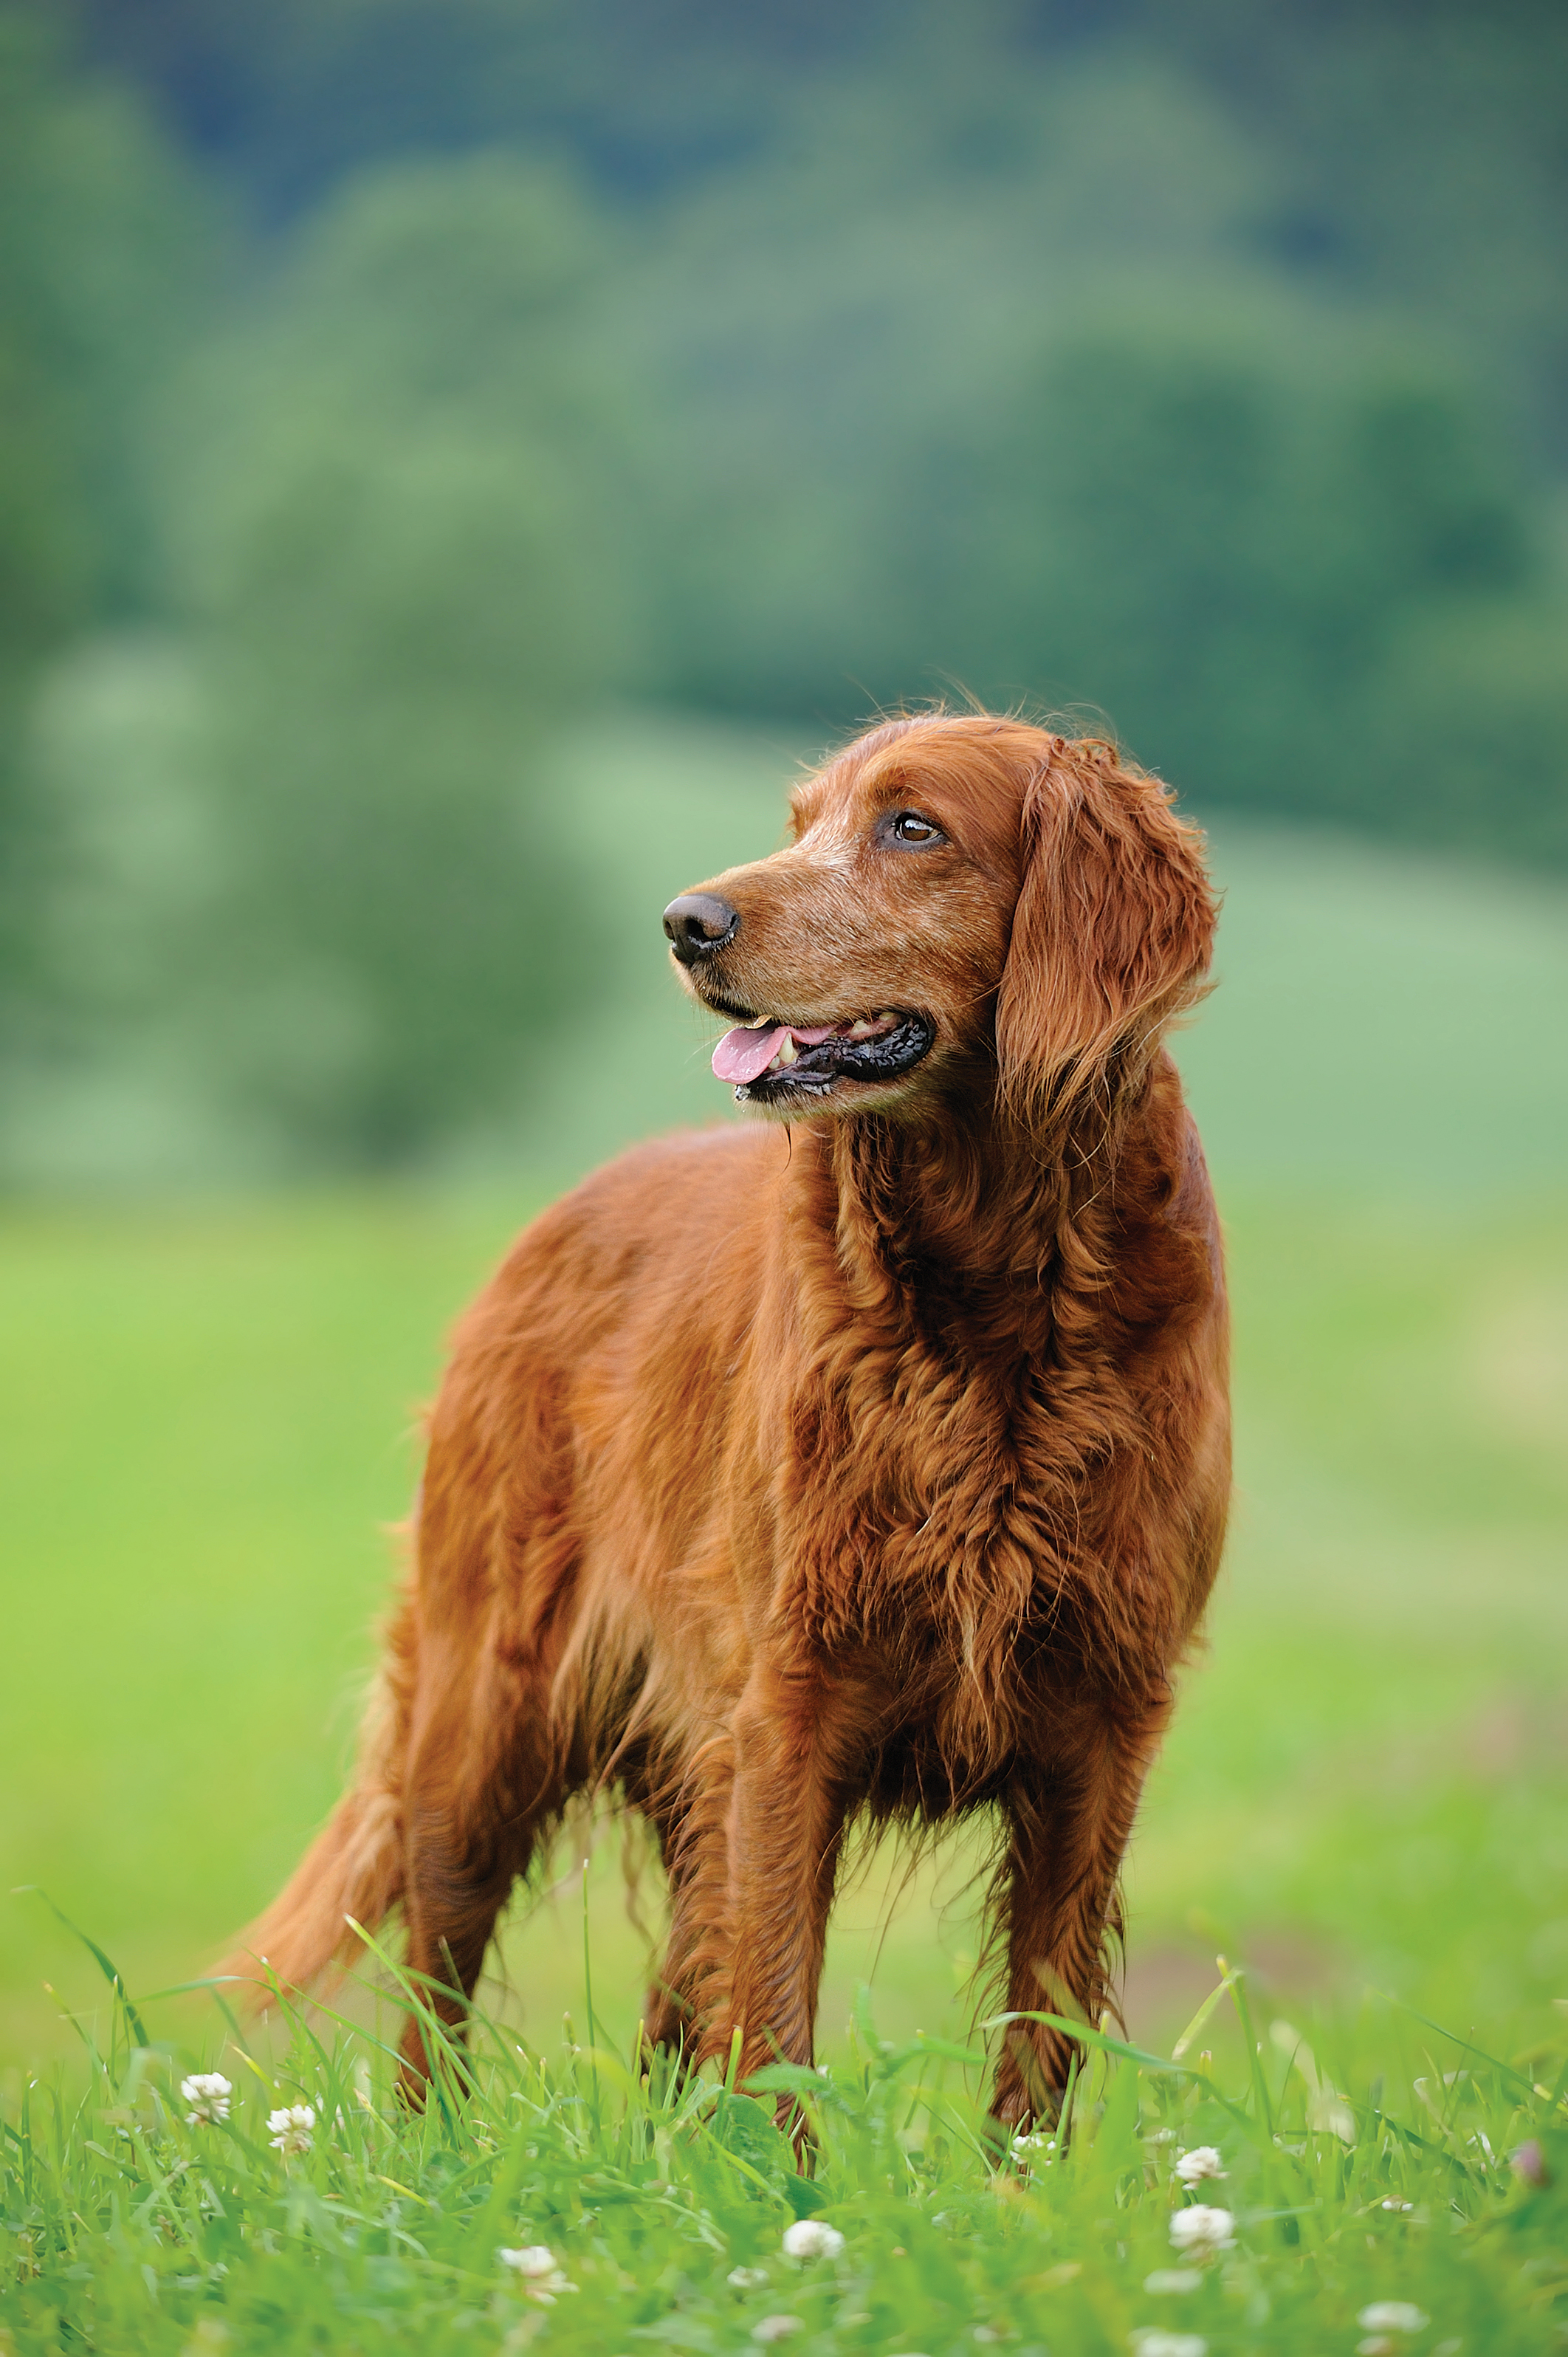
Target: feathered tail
[(354, 1866)]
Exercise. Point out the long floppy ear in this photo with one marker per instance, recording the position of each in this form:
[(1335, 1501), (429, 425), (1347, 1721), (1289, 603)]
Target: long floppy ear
[(1112, 934)]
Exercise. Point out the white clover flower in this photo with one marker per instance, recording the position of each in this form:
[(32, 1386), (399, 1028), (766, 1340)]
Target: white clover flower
[(534, 2259), (1392, 2316), (747, 2278), (1199, 2232), (1172, 2279), (808, 2238), (1203, 2160), (1153, 2341), (1034, 2150), (542, 2276), (776, 2328), (208, 2093), (290, 2129), (1393, 2201)]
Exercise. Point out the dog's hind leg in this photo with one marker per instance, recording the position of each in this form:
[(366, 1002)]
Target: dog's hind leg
[(1057, 1892), (484, 1784)]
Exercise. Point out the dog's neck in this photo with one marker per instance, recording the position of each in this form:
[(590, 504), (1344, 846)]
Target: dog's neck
[(966, 1231)]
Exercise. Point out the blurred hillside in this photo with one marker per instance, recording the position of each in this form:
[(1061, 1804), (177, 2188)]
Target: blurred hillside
[(392, 386)]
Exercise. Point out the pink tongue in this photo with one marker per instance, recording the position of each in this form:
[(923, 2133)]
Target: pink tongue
[(742, 1056), (745, 1055)]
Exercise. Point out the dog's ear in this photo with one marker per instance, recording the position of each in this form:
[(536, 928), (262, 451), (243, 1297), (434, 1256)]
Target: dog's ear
[(1112, 934)]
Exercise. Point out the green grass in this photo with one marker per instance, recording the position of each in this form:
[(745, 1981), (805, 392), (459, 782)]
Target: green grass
[(658, 2211), (211, 1413)]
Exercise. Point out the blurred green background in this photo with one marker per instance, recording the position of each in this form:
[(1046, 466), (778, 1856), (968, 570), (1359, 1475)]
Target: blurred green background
[(456, 458)]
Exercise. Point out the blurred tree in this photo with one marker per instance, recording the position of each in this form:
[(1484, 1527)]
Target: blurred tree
[(104, 248), (882, 440), (1202, 368), (110, 1082), (402, 547), (1221, 524), (1421, 165), (295, 97), (828, 343), (1416, 156), (1476, 723), (990, 393)]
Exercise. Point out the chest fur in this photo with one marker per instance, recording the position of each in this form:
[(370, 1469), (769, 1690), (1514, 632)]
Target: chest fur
[(955, 1508)]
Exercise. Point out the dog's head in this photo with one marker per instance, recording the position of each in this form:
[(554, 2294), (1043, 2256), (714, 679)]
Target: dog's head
[(967, 902)]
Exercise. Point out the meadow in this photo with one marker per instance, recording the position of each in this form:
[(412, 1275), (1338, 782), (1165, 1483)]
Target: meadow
[(212, 1417)]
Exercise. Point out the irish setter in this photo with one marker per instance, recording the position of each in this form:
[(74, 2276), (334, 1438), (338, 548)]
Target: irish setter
[(867, 1460)]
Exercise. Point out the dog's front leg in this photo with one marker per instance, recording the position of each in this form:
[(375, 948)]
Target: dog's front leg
[(794, 1749), (690, 1993), (1056, 1897)]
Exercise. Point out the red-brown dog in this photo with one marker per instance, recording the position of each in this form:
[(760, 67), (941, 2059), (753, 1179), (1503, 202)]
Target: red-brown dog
[(871, 1459)]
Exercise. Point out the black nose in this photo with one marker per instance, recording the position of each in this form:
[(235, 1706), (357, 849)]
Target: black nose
[(698, 923)]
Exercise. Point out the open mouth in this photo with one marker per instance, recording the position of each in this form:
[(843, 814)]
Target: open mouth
[(767, 1060)]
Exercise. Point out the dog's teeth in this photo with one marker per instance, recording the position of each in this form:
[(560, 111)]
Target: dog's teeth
[(860, 1028), (756, 1022), (888, 1016), (789, 1053)]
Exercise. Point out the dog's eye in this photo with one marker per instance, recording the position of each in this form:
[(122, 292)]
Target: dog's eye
[(910, 828)]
